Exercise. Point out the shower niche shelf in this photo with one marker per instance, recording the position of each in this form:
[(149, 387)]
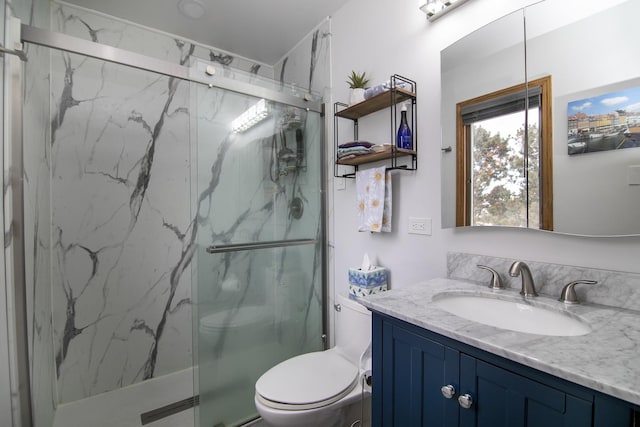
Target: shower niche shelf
[(403, 90)]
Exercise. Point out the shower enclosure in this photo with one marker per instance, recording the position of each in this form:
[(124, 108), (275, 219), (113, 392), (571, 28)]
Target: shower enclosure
[(163, 218), (260, 254)]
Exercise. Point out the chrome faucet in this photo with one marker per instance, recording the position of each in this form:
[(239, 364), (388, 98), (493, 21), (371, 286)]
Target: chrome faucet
[(522, 269)]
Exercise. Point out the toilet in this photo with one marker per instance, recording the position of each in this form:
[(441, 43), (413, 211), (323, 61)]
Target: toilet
[(317, 389)]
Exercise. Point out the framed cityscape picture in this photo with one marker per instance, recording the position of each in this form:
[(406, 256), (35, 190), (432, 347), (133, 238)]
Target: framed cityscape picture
[(610, 121)]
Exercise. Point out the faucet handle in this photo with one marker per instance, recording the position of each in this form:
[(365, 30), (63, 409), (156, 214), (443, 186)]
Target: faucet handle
[(568, 294), (496, 280)]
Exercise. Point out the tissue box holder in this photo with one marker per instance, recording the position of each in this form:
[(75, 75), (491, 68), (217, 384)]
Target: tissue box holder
[(363, 283)]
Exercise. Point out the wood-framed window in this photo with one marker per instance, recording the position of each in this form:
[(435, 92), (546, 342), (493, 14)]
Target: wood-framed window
[(504, 175)]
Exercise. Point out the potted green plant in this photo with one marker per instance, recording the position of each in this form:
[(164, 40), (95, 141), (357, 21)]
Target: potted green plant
[(357, 83)]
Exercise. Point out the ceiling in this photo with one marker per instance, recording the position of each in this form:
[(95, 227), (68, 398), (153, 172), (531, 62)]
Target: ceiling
[(260, 30)]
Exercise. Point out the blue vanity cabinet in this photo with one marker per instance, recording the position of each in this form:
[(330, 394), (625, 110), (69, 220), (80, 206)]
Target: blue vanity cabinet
[(412, 371), (504, 398), (411, 365)]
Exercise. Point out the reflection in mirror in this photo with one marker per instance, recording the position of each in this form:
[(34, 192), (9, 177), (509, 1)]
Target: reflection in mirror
[(592, 56), (589, 51), (504, 175), (487, 61)]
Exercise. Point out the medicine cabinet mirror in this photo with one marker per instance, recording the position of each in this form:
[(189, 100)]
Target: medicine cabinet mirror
[(587, 53)]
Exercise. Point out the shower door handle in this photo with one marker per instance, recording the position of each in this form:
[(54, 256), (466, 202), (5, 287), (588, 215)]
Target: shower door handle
[(235, 247)]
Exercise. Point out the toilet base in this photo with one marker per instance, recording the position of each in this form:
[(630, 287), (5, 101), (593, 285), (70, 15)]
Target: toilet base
[(339, 414), (356, 411)]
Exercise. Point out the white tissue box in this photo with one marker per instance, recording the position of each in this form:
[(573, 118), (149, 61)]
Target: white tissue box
[(363, 283)]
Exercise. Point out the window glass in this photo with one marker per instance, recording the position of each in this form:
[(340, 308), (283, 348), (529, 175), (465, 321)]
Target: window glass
[(501, 193), (501, 173)]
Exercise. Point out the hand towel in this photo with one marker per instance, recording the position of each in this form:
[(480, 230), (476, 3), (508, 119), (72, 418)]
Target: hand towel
[(373, 191)]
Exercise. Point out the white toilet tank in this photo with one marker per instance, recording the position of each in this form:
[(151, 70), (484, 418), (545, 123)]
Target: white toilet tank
[(352, 328)]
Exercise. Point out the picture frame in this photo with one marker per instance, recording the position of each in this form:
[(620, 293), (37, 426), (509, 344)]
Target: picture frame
[(609, 121)]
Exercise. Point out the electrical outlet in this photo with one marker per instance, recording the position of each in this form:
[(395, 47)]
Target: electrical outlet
[(420, 226)]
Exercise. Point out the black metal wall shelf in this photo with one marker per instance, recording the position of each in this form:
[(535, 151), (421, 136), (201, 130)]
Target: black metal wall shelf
[(402, 90)]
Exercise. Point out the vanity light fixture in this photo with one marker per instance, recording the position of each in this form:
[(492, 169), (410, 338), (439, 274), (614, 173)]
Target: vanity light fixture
[(254, 115), (193, 9), (436, 8)]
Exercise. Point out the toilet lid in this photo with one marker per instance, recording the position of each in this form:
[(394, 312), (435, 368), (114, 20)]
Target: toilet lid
[(307, 381)]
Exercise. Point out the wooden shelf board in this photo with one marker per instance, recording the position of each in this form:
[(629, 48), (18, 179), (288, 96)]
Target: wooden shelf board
[(375, 103), (374, 157)]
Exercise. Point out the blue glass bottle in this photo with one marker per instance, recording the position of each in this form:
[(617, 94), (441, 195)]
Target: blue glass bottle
[(404, 139)]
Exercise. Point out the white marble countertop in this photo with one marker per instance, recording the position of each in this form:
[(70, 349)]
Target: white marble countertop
[(607, 359)]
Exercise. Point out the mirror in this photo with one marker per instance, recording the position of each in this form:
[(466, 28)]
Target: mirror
[(488, 60), (589, 52)]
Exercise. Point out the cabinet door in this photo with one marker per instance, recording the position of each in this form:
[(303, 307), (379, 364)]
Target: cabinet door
[(503, 398), (407, 393)]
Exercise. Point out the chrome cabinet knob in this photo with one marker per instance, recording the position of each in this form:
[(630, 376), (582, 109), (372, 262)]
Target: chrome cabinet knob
[(465, 401), (448, 391)]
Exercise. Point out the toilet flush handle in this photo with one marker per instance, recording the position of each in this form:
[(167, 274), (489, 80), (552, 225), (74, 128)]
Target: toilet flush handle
[(337, 307)]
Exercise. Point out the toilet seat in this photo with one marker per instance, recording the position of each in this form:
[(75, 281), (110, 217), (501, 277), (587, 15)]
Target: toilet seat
[(307, 381)]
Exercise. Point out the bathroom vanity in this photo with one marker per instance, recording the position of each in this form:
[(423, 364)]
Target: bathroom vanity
[(433, 368), (416, 365)]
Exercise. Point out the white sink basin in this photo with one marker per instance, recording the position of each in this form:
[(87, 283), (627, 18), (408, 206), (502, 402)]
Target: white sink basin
[(512, 315)]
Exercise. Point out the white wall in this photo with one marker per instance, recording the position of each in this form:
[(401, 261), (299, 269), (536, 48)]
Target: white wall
[(386, 37)]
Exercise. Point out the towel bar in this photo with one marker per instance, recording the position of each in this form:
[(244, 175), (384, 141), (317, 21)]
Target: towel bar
[(234, 247)]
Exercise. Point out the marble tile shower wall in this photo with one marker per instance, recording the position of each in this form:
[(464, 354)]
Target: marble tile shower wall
[(123, 231), (120, 225), (614, 288), (104, 29), (308, 64)]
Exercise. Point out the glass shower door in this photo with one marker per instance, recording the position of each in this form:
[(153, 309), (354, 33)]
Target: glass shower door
[(259, 267)]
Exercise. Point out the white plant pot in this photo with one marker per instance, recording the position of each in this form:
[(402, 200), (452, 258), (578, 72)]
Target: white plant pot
[(356, 95)]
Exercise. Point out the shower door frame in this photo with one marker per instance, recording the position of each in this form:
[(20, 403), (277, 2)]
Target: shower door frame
[(63, 42), (15, 269), (59, 41)]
